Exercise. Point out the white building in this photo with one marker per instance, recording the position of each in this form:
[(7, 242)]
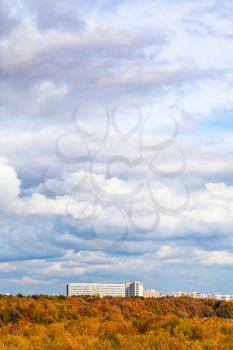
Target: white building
[(124, 289), (195, 294), (151, 293), (134, 289), (180, 294), (198, 295), (226, 297)]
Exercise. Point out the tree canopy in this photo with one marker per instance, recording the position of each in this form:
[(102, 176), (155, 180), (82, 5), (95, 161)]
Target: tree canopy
[(86, 323)]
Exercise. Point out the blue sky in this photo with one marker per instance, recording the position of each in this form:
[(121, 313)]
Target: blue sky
[(116, 144)]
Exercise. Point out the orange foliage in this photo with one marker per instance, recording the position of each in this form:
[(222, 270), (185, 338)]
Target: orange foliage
[(86, 323)]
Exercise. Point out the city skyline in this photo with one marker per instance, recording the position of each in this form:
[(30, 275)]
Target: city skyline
[(124, 289)]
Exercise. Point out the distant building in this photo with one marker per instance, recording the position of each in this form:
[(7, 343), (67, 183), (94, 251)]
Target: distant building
[(151, 293), (180, 294), (134, 289), (198, 295), (195, 295), (226, 297), (124, 289)]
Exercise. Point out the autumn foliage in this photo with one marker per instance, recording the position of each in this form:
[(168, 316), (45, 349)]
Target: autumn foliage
[(88, 323)]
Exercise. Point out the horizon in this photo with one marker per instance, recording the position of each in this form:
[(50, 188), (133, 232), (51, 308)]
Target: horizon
[(152, 289), (116, 144)]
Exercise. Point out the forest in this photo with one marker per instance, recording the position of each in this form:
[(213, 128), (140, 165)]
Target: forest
[(42, 322)]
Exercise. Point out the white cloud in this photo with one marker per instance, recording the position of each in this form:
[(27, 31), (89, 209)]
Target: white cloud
[(13, 202), (26, 280), (220, 191), (217, 257), (198, 209), (9, 184), (49, 90)]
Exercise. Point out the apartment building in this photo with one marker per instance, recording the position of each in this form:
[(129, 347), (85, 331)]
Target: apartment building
[(134, 289), (151, 293), (195, 295), (198, 295), (124, 289), (226, 297), (180, 294)]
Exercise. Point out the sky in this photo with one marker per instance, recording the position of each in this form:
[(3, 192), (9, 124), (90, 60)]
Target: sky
[(116, 144)]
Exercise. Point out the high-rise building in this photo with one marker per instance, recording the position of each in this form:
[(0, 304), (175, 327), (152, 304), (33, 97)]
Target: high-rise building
[(124, 289), (134, 289)]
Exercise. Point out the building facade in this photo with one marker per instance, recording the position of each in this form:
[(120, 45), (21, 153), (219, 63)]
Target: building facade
[(124, 289), (151, 293), (134, 289)]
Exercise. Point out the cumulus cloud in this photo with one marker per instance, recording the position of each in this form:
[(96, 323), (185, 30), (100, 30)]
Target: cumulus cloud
[(198, 211), (9, 184), (13, 202), (215, 257)]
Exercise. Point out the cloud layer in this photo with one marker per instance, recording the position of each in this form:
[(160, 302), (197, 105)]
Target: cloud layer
[(64, 195)]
